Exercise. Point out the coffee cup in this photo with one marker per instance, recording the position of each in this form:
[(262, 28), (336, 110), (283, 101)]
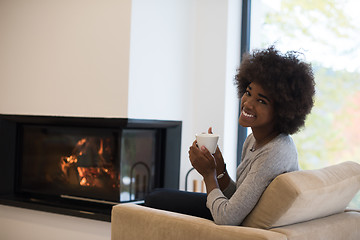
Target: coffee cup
[(208, 140)]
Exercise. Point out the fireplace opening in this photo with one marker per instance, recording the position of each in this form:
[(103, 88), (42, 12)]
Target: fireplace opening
[(83, 166)]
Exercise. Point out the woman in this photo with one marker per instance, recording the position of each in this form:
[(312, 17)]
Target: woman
[(276, 94)]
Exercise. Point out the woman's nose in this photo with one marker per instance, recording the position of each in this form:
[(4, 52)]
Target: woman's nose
[(249, 104)]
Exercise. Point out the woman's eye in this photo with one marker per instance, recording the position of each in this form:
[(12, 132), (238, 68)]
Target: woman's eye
[(261, 101), (247, 93)]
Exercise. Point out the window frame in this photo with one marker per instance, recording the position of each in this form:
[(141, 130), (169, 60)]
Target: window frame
[(244, 47)]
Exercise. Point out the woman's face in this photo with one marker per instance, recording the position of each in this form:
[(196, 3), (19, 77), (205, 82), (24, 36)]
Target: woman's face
[(257, 109)]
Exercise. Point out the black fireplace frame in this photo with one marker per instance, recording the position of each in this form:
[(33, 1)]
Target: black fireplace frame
[(168, 154)]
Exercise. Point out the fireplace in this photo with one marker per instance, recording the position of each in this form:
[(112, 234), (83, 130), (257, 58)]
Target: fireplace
[(83, 166)]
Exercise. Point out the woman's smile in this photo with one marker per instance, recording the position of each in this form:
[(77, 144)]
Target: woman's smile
[(247, 114)]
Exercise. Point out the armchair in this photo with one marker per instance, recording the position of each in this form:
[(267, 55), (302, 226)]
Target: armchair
[(307, 204)]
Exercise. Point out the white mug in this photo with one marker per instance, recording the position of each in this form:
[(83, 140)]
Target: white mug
[(208, 140)]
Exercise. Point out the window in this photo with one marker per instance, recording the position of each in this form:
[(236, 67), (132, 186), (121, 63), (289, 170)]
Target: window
[(327, 32)]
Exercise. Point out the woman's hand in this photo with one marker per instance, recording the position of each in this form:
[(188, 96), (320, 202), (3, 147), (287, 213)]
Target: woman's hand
[(205, 164), (202, 160), (209, 165)]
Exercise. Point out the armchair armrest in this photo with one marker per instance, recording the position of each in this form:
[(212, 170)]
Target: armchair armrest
[(131, 221)]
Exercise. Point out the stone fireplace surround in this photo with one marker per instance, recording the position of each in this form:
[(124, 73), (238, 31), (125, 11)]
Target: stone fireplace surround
[(168, 161)]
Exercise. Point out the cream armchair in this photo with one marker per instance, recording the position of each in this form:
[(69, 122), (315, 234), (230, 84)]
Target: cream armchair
[(309, 204)]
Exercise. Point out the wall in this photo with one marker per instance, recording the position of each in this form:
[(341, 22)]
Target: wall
[(155, 59), (191, 50), (64, 57)]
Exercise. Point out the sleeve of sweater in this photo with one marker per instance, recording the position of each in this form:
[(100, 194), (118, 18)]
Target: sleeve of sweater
[(232, 211), (230, 189)]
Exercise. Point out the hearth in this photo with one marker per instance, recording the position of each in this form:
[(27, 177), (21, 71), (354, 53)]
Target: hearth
[(83, 166)]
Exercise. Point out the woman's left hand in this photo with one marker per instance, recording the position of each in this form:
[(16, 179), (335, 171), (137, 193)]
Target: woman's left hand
[(202, 160)]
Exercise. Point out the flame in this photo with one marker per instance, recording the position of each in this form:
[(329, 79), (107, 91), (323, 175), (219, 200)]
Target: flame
[(97, 171), (88, 176)]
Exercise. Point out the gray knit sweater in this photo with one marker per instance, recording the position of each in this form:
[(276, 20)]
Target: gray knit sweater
[(255, 172)]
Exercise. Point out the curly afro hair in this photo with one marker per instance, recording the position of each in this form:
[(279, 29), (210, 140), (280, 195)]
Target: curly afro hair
[(286, 79)]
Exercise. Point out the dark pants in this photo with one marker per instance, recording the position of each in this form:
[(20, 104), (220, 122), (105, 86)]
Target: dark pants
[(189, 203)]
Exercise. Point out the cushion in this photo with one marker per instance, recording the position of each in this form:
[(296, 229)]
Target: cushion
[(305, 195), (341, 226)]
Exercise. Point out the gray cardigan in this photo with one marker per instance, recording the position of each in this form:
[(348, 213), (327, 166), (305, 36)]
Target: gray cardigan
[(255, 172)]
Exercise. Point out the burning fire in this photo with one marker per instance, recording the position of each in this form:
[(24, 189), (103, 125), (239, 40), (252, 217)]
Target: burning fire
[(90, 164)]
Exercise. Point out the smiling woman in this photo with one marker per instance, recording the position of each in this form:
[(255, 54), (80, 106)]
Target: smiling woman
[(276, 93), (268, 83)]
